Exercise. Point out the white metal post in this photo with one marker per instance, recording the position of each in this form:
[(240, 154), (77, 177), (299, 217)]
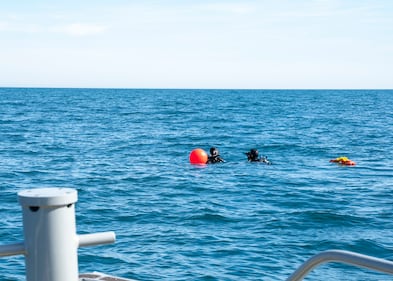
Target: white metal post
[(50, 238)]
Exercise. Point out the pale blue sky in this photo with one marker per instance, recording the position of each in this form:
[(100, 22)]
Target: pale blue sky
[(276, 44)]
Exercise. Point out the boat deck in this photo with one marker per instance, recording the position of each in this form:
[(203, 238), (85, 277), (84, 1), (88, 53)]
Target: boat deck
[(97, 276)]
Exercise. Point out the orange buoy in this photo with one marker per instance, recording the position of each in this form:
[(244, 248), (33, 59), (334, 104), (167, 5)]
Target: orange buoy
[(198, 156)]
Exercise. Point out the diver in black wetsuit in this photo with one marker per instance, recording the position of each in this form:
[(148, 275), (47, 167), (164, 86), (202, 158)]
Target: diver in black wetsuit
[(252, 156), (214, 156)]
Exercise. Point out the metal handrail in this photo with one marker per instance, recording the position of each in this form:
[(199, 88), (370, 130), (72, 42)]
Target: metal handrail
[(347, 257), (12, 249), (51, 242)]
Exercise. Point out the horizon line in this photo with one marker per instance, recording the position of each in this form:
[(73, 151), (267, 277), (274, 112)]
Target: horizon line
[(192, 88)]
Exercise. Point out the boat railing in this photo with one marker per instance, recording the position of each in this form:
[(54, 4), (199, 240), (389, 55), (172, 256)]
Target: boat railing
[(50, 241), (347, 257)]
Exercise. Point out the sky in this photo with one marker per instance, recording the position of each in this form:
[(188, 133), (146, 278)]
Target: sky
[(245, 44)]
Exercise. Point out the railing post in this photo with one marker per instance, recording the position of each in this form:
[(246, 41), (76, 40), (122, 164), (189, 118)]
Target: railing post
[(50, 238), (51, 243)]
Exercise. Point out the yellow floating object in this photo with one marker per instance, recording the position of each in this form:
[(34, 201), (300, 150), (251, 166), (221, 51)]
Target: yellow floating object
[(343, 161)]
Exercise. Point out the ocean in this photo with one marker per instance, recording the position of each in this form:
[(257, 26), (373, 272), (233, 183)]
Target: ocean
[(126, 152)]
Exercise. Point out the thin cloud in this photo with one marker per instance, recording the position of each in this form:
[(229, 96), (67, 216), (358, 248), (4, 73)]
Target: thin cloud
[(52, 23), (233, 8), (81, 29), (74, 29), (4, 26), (19, 27)]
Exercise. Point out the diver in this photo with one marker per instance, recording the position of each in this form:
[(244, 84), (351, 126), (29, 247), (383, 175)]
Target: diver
[(253, 156), (214, 156)]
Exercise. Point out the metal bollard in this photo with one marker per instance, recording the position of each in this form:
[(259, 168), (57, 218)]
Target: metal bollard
[(51, 243)]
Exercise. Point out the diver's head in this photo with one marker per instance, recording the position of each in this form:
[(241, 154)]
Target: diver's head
[(213, 151), (252, 154)]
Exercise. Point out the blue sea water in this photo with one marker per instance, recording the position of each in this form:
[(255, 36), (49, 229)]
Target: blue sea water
[(126, 152)]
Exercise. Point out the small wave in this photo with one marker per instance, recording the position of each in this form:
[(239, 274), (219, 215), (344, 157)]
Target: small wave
[(210, 218), (328, 217)]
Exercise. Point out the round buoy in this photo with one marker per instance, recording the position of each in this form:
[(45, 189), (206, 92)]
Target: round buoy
[(198, 156)]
